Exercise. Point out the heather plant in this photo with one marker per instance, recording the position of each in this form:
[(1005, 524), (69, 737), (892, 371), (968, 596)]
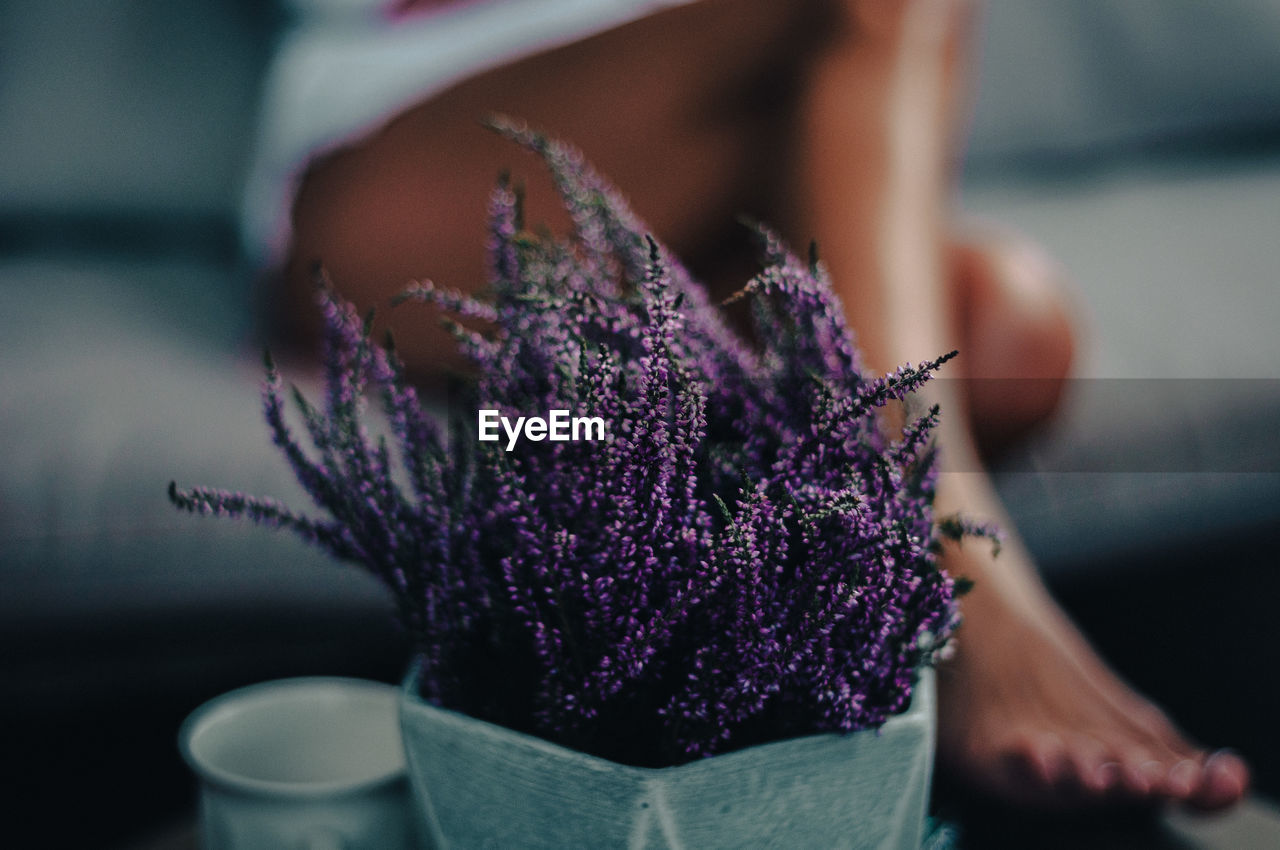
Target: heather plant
[(750, 555)]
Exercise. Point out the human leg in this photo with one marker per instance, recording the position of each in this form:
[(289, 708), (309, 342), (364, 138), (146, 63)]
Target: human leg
[(1027, 710)]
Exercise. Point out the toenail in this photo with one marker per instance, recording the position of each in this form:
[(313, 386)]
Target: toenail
[(1142, 777), (1217, 757), (1152, 771), (1108, 775), (1183, 776)]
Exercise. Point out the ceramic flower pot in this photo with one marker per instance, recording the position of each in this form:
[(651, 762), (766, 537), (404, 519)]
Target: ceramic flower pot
[(480, 785)]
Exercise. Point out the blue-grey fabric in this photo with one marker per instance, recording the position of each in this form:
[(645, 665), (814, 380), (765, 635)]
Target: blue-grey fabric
[(109, 106), (1071, 77), (120, 376)]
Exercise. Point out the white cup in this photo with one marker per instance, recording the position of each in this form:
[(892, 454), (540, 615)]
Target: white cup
[(301, 764)]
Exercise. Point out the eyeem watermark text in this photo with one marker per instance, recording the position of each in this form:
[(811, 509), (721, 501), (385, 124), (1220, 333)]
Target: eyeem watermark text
[(559, 426)]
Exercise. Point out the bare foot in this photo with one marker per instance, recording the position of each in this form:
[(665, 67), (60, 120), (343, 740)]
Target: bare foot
[(1029, 714)]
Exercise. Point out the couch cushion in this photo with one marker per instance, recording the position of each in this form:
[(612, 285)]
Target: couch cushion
[(126, 107), (1168, 433), (119, 377), (1066, 77)]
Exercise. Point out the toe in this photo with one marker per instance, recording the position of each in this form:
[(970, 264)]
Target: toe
[(1089, 758), (1224, 779), (1044, 756), (1141, 772), (1184, 778)]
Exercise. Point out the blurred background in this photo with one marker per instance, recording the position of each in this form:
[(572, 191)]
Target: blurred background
[(1138, 139)]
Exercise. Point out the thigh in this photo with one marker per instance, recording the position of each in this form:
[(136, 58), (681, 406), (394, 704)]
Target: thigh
[(684, 110)]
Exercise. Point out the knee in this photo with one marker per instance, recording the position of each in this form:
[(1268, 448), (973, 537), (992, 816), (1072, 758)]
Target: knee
[(1017, 331), (1014, 308)]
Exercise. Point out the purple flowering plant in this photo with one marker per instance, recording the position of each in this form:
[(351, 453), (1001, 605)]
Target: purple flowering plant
[(750, 555)]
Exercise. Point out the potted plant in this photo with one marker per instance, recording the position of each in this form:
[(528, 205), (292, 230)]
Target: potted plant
[(654, 574)]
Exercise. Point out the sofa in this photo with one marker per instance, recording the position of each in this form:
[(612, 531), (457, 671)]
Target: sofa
[(1138, 140)]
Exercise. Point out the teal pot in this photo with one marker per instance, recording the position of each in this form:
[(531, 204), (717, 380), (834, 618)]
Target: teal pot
[(480, 785)]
